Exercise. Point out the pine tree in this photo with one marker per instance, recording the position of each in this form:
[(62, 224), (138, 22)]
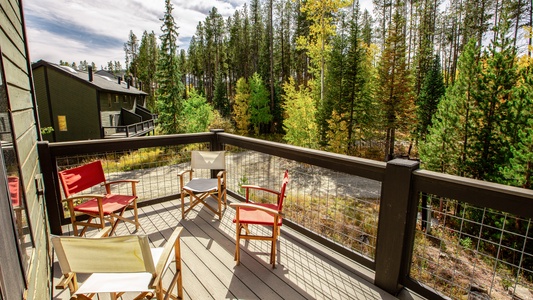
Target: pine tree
[(259, 104), (220, 98), (497, 80), (448, 144), (432, 91), (131, 50), (395, 91), (170, 88), (147, 66)]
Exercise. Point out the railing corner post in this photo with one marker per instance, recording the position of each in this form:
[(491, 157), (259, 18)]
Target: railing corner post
[(216, 145), (51, 196), (393, 220)]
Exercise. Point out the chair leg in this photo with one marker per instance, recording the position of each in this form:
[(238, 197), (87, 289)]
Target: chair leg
[(238, 243), (136, 215), (182, 204)]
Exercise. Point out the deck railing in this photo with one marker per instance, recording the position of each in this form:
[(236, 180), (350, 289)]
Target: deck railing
[(131, 130), (422, 230)]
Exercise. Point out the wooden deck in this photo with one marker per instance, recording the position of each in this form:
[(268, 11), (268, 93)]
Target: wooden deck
[(305, 269)]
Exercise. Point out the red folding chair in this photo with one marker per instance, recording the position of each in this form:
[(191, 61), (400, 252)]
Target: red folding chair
[(103, 207), (266, 214)]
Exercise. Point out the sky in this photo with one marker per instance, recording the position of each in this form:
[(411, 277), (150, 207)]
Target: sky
[(96, 30)]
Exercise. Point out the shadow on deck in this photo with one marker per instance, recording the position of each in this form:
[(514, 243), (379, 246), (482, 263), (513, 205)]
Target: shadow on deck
[(305, 269)]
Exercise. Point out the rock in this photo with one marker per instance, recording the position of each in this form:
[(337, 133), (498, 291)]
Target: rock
[(478, 296), (478, 293), (521, 293)]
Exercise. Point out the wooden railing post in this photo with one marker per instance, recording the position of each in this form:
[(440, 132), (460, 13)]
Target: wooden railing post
[(394, 214), (52, 198), (215, 145)]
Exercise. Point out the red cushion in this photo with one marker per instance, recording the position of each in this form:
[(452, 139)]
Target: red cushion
[(13, 183), (254, 216), (110, 204)]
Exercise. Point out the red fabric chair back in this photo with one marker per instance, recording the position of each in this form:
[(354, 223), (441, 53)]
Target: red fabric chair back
[(13, 183), (282, 191), (81, 178)]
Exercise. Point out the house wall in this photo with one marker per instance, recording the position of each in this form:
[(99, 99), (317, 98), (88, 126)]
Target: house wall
[(24, 128), (111, 104), (77, 102)]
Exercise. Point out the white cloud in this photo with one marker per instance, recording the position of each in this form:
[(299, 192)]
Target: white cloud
[(96, 30)]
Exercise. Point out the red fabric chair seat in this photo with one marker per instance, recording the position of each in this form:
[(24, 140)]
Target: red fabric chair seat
[(110, 204), (257, 217)]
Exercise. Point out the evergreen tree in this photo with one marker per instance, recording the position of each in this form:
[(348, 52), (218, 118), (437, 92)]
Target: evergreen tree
[(259, 104), (497, 80), (131, 50), (170, 88), (432, 91), (448, 144), (220, 98), (147, 66), (395, 91)]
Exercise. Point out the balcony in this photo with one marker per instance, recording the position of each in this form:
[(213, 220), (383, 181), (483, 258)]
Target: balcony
[(354, 228), (133, 130)]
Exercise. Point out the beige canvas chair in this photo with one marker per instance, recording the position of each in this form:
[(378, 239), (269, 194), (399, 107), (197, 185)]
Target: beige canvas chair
[(118, 265), (199, 189)]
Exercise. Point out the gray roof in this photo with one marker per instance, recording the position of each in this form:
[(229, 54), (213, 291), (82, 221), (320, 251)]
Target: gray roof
[(101, 83)]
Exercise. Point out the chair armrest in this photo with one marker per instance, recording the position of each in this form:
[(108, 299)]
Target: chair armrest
[(102, 233), (182, 174), (259, 188), (65, 280), (123, 181), (132, 181), (258, 207), (172, 244), (98, 196)]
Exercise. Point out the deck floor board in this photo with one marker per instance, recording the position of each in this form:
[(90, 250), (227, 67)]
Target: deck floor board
[(305, 269)]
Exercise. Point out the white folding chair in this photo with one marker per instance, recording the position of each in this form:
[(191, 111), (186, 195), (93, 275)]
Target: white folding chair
[(199, 189)]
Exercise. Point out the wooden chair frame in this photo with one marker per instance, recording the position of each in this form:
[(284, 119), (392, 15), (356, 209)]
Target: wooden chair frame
[(199, 189), (73, 183), (72, 263)]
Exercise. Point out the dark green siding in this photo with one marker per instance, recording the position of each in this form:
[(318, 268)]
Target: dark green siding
[(78, 102)]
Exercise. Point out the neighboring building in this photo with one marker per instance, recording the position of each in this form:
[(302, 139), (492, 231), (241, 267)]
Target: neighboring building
[(25, 268), (82, 105)]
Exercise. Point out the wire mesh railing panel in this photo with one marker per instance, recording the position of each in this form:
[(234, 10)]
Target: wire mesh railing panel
[(468, 252), (341, 207)]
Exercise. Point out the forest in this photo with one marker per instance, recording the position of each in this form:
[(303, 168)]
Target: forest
[(446, 82)]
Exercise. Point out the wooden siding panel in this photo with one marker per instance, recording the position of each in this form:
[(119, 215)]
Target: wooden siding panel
[(13, 33), (11, 51), (19, 98), (25, 121), (17, 77)]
